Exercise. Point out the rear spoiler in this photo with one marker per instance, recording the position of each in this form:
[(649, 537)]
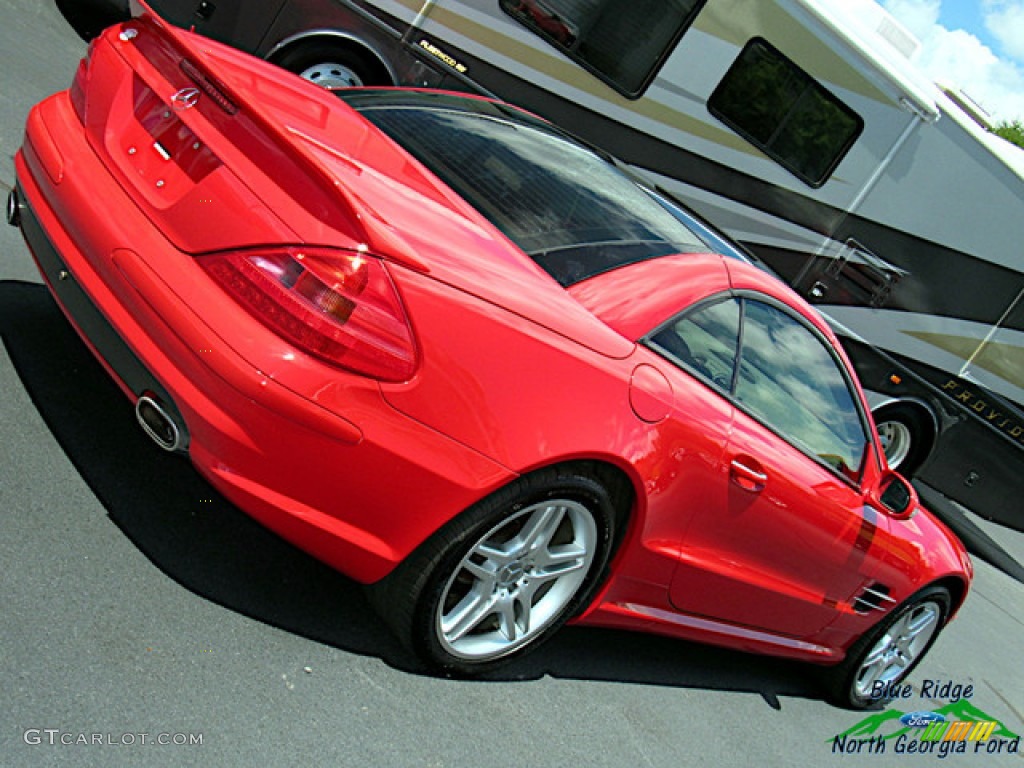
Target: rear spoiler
[(301, 175)]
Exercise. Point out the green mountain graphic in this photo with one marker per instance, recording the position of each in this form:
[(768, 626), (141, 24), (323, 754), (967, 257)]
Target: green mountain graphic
[(870, 725), (961, 709)]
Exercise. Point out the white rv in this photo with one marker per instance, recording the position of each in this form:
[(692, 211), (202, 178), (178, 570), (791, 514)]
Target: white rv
[(800, 127)]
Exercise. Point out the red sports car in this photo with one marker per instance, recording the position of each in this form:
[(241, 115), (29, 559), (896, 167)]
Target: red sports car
[(462, 358)]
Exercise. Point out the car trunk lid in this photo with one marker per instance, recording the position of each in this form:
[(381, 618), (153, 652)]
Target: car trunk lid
[(182, 143)]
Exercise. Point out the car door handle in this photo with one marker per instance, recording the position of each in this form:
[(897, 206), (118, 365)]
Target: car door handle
[(746, 473)]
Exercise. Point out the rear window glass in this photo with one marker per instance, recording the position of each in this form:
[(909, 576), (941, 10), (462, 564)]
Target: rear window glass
[(573, 212)]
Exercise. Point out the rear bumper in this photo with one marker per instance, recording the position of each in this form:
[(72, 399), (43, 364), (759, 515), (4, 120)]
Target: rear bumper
[(313, 453), (94, 328)]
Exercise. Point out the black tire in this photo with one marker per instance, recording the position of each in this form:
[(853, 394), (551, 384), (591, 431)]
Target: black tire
[(515, 567), (907, 430), (332, 65), (859, 684)]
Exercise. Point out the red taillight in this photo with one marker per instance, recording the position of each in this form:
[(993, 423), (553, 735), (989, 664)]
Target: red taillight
[(340, 306), (80, 83)]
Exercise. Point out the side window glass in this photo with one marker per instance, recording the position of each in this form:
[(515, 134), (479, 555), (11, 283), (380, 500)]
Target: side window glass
[(705, 341), (785, 113), (789, 379), (622, 43)]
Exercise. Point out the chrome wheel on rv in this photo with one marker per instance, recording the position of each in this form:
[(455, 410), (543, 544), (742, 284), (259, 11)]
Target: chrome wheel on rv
[(907, 432), (332, 65), (330, 74), (897, 441)]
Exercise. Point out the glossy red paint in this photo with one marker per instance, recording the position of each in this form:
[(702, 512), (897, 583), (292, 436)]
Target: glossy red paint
[(734, 535)]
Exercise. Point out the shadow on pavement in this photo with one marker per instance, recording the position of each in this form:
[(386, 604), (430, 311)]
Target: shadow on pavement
[(207, 545)]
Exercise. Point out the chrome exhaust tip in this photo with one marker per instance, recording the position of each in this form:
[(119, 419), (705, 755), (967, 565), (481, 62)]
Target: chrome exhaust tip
[(158, 424), (14, 208)]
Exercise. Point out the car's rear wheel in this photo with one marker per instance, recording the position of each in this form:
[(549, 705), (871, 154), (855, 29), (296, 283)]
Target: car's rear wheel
[(502, 577), (883, 657)]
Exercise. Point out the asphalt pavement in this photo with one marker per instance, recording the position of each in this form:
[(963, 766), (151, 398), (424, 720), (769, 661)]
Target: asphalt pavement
[(146, 622)]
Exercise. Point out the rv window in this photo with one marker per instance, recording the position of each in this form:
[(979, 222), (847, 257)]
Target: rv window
[(621, 43), (784, 112)]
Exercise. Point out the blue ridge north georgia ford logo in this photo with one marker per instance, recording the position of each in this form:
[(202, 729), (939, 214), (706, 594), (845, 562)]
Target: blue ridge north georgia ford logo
[(958, 727)]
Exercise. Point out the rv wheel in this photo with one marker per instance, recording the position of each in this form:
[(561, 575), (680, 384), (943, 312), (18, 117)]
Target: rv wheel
[(906, 434), (332, 66)]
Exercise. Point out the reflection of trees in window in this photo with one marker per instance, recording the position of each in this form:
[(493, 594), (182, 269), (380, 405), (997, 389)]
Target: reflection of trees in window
[(790, 380), (786, 377), (706, 341), (623, 43), (784, 112)]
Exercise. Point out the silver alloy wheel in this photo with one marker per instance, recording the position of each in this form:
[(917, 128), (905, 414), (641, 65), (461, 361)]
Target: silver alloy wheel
[(897, 650), (332, 75), (516, 579), (897, 441)]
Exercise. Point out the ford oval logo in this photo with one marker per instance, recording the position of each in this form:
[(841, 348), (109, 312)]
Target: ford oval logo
[(184, 99), (921, 719)]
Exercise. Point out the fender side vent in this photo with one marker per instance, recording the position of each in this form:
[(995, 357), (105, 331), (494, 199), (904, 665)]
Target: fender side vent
[(873, 598)]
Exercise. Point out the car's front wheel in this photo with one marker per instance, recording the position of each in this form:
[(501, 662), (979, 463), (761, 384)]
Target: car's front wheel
[(502, 577), (880, 661)]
